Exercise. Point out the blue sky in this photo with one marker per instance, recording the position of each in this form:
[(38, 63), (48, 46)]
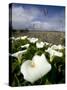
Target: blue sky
[(38, 17)]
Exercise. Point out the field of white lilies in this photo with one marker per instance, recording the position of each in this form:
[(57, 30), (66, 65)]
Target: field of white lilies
[(35, 62)]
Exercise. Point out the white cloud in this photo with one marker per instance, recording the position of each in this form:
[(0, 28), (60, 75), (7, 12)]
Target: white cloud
[(37, 25), (27, 18), (22, 17)]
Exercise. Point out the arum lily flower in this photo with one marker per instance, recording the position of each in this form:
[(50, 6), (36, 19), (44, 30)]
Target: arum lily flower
[(40, 44), (25, 46), (53, 53), (36, 68), (33, 40), (18, 54), (23, 37), (59, 47), (13, 38), (18, 38), (46, 43)]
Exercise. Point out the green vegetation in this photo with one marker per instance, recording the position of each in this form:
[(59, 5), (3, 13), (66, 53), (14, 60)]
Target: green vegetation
[(57, 73)]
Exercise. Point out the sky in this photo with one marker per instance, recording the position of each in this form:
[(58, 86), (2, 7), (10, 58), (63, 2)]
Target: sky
[(38, 17)]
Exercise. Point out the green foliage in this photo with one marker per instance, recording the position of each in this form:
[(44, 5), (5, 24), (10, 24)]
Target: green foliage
[(55, 76), (15, 45)]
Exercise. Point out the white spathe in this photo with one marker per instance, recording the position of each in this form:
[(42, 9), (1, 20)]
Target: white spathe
[(18, 54), (23, 37), (33, 40), (53, 53), (25, 46), (59, 47), (46, 43), (40, 44), (13, 38), (17, 38), (36, 68)]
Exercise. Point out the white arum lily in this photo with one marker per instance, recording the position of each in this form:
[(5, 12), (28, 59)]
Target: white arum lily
[(25, 46), (18, 54), (40, 44), (36, 68), (59, 47), (46, 43), (53, 53), (23, 37), (33, 40), (17, 38), (13, 38)]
